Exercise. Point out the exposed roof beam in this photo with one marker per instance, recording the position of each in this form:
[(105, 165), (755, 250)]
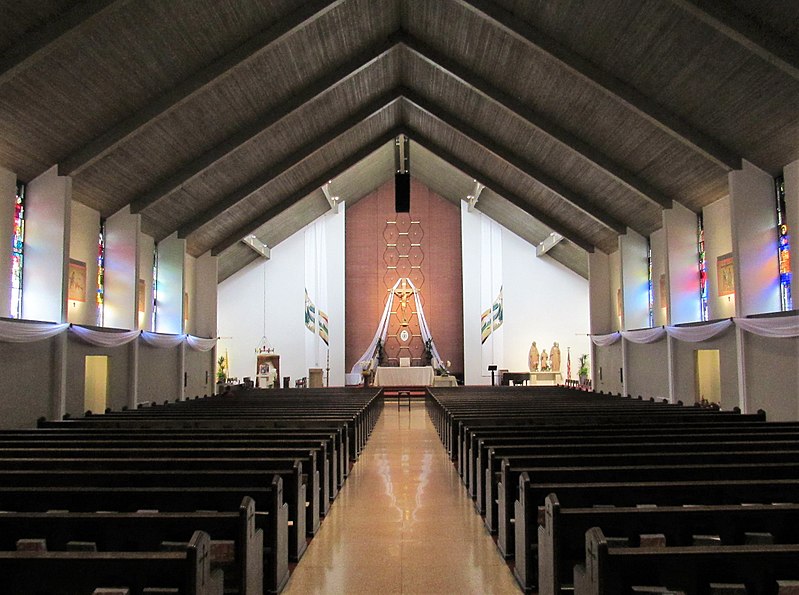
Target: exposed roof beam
[(257, 246), (548, 243), (755, 36), (285, 164), (94, 150), (658, 115), (521, 111), (295, 197), (38, 42), (333, 201), (500, 189), (553, 185), (176, 179), (475, 195)]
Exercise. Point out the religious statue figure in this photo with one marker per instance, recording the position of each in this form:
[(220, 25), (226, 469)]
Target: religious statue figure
[(533, 358), (554, 357), (544, 361)]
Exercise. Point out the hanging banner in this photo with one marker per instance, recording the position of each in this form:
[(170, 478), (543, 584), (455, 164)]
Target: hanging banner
[(310, 314)]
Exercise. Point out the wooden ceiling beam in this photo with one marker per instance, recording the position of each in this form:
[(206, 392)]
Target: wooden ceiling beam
[(312, 186), (555, 186), (40, 41), (90, 153), (494, 184), (755, 36), (179, 177), (632, 98), (549, 128), (285, 164)]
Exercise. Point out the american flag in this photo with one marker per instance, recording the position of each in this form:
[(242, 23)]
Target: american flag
[(568, 364)]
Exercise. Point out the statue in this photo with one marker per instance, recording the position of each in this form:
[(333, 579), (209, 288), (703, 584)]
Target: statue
[(554, 357), (544, 361), (533, 358)]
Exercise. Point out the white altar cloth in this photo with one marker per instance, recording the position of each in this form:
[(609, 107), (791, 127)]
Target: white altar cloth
[(409, 376)]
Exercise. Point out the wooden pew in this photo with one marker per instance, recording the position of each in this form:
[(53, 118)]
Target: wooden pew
[(480, 442), (58, 468), (290, 471), (62, 573), (144, 531), (182, 444), (635, 493), (621, 475), (614, 570), (271, 511), (561, 533), (500, 490)]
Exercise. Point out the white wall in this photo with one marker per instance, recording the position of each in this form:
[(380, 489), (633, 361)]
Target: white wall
[(543, 302), (84, 235), (680, 227), (189, 281), (205, 296), (47, 213), (121, 264), (718, 241), (644, 378), (146, 247), (240, 306), (754, 221), (599, 292), (170, 284), (335, 287), (614, 267), (635, 280), (660, 258), (8, 190)]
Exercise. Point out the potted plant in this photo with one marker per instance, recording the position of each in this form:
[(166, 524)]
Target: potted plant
[(221, 373), (583, 371)]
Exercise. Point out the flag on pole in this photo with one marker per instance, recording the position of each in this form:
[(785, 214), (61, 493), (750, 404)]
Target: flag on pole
[(323, 327), (499, 311), (568, 364), (485, 325), (310, 313)]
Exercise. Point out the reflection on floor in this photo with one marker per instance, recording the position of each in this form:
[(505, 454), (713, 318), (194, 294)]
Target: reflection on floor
[(403, 523)]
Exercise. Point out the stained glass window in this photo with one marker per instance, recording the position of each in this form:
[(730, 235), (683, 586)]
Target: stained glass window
[(101, 274), (651, 294), (700, 236), (783, 247), (17, 249)]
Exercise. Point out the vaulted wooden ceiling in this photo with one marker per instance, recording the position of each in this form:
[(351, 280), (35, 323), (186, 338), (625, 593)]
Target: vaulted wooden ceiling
[(219, 119)]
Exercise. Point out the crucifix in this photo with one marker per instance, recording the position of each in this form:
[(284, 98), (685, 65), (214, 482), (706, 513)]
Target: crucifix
[(403, 292)]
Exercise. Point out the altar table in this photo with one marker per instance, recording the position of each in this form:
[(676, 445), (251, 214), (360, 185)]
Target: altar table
[(407, 376)]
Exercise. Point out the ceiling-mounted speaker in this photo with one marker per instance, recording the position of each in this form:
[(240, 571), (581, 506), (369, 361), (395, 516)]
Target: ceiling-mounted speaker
[(402, 192)]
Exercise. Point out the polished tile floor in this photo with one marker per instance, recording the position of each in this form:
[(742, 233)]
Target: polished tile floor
[(403, 523)]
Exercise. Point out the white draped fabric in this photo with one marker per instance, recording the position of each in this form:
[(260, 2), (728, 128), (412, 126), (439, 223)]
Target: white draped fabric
[(649, 335), (605, 340), (783, 327), (438, 363), (103, 338), (370, 355), (162, 341), (200, 343), (697, 334), (27, 332)]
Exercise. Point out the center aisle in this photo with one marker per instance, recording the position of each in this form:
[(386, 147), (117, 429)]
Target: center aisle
[(403, 523)]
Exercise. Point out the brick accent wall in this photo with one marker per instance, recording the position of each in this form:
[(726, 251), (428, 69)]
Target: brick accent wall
[(423, 245)]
